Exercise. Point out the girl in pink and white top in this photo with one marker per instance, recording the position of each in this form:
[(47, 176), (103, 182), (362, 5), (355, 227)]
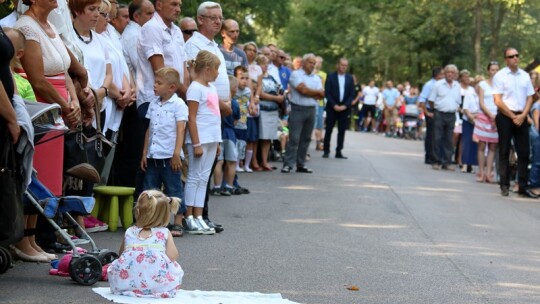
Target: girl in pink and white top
[(203, 137), (485, 129), (147, 265)]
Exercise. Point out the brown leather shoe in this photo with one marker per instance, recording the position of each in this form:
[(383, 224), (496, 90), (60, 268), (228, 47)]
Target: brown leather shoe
[(85, 172)]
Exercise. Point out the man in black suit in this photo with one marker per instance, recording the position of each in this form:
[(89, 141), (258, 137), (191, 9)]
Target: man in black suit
[(339, 95)]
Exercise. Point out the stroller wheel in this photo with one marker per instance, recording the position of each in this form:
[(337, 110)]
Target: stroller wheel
[(5, 260), (106, 256), (85, 270)]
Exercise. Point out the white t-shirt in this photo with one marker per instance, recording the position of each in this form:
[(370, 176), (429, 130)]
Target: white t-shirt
[(162, 128), (197, 43), (208, 116), (470, 102), (370, 95), (488, 97)]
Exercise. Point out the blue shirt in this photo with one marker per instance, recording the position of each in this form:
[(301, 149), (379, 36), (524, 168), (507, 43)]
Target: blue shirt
[(390, 95), (426, 90), (284, 76), (227, 124)]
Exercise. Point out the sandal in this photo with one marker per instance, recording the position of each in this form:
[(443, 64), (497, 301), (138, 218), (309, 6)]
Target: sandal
[(176, 230), (490, 179), (480, 178)]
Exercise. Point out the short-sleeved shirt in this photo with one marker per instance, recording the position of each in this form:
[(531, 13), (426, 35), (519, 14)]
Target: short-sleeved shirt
[(156, 38), (390, 96), (197, 43), (446, 97), (370, 95), (233, 58), (162, 129), (242, 96), (488, 97), (227, 123), (56, 58), (426, 90), (514, 88), (273, 70), (24, 87), (208, 116), (254, 71), (284, 76), (470, 102), (311, 81)]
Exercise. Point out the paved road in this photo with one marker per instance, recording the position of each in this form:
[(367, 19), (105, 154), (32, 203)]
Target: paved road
[(381, 220)]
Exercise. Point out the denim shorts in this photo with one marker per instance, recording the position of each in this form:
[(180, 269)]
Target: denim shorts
[(228, 151)]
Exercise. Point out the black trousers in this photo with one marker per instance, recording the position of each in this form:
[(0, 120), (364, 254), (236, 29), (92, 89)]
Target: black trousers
[(507, 131), (443, 130), (342, 118), (428, 141)]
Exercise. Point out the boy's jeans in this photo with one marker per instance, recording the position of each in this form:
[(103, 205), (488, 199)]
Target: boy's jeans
[(158, 172)]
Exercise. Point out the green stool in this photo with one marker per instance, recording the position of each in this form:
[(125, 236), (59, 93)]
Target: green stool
[(114, 196)]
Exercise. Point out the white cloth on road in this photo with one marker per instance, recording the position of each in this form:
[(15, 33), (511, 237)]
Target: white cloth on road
[(199, 297)]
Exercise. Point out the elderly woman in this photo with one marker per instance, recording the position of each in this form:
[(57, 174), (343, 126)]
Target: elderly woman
[(271, 96)]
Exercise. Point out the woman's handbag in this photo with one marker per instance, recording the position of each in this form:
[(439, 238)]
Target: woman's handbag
[(85, 151), (11, 207)]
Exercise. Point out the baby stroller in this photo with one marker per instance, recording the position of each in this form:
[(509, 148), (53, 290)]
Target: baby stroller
[(410, 122), (85, 269)]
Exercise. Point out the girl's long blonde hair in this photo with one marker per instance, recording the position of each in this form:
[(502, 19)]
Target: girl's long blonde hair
[(153, 209)]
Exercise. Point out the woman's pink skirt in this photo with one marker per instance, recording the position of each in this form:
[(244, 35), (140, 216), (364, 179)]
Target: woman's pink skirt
[(49, 156), (484, 130)]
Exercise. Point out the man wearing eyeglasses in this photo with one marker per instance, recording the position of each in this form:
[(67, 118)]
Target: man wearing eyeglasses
[(512, 93), (188, 27)]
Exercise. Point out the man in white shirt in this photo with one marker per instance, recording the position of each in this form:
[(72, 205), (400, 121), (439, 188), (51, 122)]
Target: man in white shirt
[(445, 99), (512, 93), (370, 94), (139, 12), (188, 27)]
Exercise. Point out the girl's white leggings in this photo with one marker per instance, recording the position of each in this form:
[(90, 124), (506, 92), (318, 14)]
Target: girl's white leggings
[(199, 173)]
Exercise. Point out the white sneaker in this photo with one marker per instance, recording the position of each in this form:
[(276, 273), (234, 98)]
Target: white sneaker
[(248, 169), (206, 229), (192, 226), (238, 169)]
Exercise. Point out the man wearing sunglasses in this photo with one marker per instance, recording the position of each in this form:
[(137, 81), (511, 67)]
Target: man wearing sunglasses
[(188, 27), (512, 93)]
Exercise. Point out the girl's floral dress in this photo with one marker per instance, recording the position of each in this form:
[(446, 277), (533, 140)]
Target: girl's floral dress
[(143, 269)]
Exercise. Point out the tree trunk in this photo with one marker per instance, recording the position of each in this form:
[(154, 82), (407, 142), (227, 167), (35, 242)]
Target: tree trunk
[(497, 17), (478, 37)]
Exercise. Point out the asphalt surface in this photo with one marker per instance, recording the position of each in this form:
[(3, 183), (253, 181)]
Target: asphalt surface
[(381, 220)]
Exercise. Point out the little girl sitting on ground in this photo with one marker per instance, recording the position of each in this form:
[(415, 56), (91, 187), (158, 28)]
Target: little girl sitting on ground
[(147, 265)]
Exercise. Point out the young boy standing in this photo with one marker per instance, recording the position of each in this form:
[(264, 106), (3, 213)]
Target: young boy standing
[(243, 94), (162, 157)]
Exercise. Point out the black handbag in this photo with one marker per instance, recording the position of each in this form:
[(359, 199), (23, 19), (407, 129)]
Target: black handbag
[(87, 148), (11, 207)]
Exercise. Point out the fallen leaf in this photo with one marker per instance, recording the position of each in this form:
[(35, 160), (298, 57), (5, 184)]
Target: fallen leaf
[(353, 287)]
